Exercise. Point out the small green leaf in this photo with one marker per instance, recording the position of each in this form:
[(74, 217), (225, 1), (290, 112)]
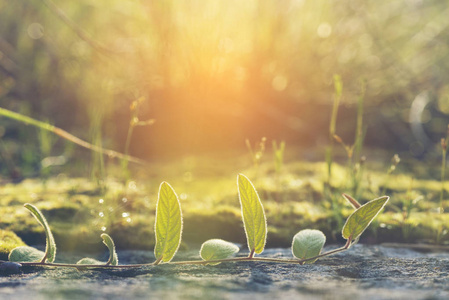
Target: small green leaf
[(50, 248), (254, 220), (308, 243), (360, 219), (107, 240), (217, 249), (89, 261), (25, 254), (354, 203), (168, 225)]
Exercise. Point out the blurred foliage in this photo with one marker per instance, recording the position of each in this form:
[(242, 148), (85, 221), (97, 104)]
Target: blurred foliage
[(216, 72)]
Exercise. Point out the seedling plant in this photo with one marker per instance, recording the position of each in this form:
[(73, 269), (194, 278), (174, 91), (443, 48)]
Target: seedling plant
[(307, 245)]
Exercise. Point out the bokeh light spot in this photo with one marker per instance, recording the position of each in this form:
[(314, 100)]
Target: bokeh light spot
[(35, 31), (324, 30), (279, 83)]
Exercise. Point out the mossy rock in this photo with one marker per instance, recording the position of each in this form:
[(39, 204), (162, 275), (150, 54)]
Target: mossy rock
[(8, 241)]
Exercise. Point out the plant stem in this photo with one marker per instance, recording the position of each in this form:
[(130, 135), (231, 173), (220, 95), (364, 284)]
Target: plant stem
[(333, 124), (193, 262)]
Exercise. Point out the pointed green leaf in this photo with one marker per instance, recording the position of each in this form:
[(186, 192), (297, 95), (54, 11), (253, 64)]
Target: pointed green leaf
[(168, 225), (360, 219), (217, 249), (25, 254), (107, 240), (308, 243), (354, 203), (253, 215), (89, 261), (50, 248)]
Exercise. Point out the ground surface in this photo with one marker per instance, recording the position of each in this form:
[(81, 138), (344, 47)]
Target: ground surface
[(363, 272)]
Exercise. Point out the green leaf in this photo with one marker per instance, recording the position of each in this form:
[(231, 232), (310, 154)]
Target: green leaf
[(25, 254), (89, 261), (217, 249), (107, 240), (168, 225), (360, 219), (308, 243), (253, 215), (50, 248)]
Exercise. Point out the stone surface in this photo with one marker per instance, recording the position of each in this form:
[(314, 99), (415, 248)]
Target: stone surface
[(363, 272)]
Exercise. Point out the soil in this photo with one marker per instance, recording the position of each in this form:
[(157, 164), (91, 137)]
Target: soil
[(362, 272)]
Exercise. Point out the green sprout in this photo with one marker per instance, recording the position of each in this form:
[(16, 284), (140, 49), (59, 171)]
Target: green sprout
[(307, 245)]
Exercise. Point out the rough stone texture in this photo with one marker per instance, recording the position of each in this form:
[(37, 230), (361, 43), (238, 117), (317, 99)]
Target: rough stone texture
[(363, 272)]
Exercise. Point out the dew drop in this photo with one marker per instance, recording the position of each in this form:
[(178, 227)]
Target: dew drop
[(101, 214), (103, 228), (101, 201), (125, 215)]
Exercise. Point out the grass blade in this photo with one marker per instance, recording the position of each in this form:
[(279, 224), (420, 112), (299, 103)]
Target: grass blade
[(50, 248), (254, 220), (69, 137), (360, 219), (168, 225)]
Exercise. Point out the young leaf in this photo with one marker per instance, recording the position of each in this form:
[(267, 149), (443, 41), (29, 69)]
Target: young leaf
[(360, 219), (107, 240), (354, 203), (25, 254), (50, 248), (308, 243), (113, 260), (217, 249), (168, 225), (89, 261), (254, 220)]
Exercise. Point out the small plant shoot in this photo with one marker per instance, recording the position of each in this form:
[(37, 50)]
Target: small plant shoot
[(254, 220), (360, 219), (217, 249), (107, 240), (168, 225), (307, 244), (113, 259), (50, 249)]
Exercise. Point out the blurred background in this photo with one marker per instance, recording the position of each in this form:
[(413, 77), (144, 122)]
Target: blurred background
[(214, 73)]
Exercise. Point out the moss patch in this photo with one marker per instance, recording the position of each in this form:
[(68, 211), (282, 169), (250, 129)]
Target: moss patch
[(8, 241), (294, 199)]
